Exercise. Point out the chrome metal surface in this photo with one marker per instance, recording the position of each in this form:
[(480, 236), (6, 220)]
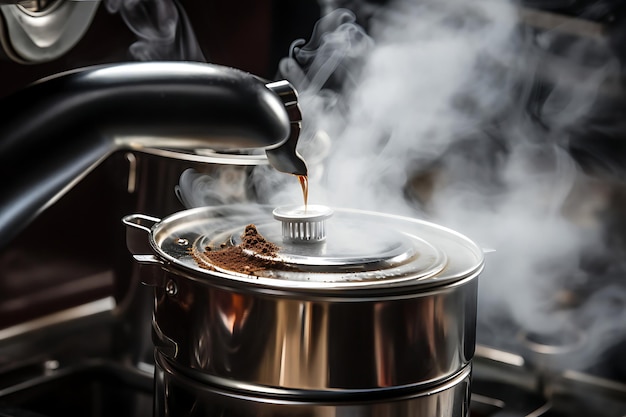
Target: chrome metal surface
[(178, 394), (38, 6), (78, 119), (303, 224), (294, 345), (367, 251), (38, 32), (295, 337), (158, 173), (285, 157), (357, 254)]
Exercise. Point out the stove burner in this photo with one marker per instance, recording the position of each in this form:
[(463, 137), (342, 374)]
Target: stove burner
[(562, 341)]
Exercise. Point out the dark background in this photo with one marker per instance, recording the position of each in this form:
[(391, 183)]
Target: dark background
[(251, 35)]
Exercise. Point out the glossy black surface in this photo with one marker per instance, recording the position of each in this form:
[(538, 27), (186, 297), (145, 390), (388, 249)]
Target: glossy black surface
[(55, 131), (97, 389)]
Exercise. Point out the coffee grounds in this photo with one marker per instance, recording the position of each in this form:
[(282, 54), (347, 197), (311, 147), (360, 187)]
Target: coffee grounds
[(255, 242), (241, 258)]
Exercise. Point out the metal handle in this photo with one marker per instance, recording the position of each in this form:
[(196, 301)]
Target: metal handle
[(141, 221), (154, 277), (137, 225), (148, 260)]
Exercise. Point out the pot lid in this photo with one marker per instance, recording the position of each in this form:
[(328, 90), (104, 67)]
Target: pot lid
[(355, 249)]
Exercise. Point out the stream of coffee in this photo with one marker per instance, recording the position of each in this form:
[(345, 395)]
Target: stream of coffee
[(304, 183)]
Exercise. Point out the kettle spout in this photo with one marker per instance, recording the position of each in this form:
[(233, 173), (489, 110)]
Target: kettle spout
[(285, 157), (77, 119)]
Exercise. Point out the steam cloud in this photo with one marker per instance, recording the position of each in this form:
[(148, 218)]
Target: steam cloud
[(453, 111), (162, 29)]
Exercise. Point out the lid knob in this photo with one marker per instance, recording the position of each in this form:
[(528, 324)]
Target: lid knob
[(303, 224)]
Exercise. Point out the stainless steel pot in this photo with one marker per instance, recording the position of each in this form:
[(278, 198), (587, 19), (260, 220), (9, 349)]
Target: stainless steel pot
[(384, 303), (151, 176), (181, 396)]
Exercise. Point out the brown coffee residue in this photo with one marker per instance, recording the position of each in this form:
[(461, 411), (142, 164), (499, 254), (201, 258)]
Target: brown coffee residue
[(255, 242), (244, 258), (304, 184)]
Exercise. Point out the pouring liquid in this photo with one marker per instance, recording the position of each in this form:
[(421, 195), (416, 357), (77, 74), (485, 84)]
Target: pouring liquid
[(304, 183)]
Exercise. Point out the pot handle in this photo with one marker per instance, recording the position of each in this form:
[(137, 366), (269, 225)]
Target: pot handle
[(155, 277), (141, 221), (137, 225), (148, 260)]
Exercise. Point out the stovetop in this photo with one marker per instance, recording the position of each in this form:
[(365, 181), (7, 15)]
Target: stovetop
[(83, 372), (101, 388)]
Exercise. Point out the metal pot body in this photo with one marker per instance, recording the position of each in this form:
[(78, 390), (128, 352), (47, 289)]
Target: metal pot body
[(278, 342), (151, 177), (178, 394), (302, 338)]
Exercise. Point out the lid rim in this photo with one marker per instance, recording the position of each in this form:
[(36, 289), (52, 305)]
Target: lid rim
[(410, 289), (406, 281)]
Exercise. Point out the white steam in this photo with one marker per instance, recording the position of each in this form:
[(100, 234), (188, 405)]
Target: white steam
[(162, 28), (452, 110), (436, 112)]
